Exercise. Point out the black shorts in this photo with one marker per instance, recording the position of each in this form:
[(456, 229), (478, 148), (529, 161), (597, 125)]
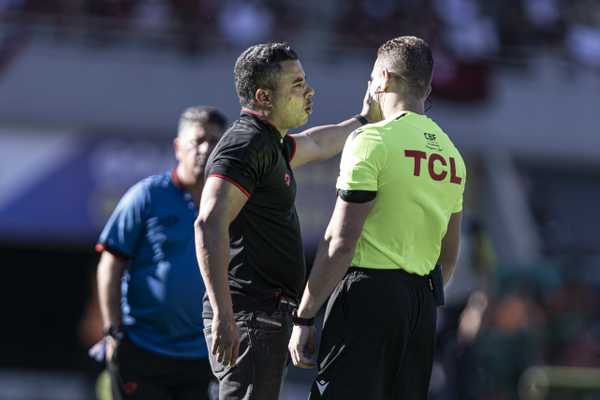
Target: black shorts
[(378, 337), (136, 373)]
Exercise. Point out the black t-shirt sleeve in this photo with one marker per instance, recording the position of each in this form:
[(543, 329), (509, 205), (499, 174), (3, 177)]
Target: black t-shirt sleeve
[(289, 144), (241, 163)]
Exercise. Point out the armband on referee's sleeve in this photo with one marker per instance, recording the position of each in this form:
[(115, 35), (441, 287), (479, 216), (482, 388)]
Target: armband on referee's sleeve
[(356, 196)]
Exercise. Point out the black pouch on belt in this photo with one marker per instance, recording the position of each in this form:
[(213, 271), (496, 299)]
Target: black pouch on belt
[(436, 281)]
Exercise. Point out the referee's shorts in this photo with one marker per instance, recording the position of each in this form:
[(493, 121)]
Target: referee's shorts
[(378, 337)]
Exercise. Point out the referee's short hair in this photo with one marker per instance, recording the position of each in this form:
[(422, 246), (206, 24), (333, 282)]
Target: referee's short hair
[(201, 115), (257, 68), (409, 58)]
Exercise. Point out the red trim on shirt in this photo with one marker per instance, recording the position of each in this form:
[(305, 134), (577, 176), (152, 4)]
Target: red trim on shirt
[(253, 112), (176, 180), (259, 116), (101, 247), (293, 147), (232, 181)]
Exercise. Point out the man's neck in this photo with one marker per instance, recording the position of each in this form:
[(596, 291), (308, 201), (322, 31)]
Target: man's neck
[(393, 104), (190, 183), (266, 117)]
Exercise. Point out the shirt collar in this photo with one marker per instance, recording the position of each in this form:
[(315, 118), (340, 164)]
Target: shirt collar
[(261, 121), (176, 181)]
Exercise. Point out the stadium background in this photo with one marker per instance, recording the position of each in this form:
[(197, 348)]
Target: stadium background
[(90, 93)]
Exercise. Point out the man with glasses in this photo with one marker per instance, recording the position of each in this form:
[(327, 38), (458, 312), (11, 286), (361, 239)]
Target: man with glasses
[(148, 281)]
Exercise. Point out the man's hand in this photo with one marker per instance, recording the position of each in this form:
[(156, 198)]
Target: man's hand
[(303, 346), (111, 344), (226, 340), (370, 109)]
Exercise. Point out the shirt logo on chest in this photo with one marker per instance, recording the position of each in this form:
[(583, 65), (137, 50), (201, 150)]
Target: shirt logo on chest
[(287, 179)]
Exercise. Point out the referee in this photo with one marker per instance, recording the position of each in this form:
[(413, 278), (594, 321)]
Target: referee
[(397, 216)]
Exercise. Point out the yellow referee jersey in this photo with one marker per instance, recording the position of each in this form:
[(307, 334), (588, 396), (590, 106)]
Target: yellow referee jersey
[(419, 176)]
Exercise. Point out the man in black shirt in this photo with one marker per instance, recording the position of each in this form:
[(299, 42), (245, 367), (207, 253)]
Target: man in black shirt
[(248, 239)]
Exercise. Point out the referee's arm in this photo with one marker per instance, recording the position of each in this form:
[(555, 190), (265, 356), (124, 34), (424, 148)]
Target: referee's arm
[(450, 244), (334, 255), (331, 263)]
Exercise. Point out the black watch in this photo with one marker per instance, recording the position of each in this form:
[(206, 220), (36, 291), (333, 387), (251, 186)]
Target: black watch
[(114, 332), (361, 119), (296, 320)]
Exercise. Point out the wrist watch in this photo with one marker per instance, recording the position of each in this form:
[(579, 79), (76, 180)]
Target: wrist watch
[(361, 119), (114, 332), (296, 320)]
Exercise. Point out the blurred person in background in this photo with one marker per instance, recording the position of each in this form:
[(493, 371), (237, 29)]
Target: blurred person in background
[(148, 281), (397, 216), (248, 238)]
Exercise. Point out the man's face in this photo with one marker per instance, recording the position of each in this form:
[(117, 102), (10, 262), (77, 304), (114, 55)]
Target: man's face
[(193, 146), (292, 96)]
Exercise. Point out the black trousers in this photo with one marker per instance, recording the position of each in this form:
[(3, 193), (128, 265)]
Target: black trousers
[(378, 338), (139, 374), (263, 355)]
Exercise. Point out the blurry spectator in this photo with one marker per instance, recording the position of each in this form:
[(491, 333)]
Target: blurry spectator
[(546, 17), (583, 34), (467, 40), (114, 9), (151, 15), (366, 23), (196, 21), (246, 21)]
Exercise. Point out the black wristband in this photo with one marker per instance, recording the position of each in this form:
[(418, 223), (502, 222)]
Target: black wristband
[(361, 119), (114, 332), (296, 320)]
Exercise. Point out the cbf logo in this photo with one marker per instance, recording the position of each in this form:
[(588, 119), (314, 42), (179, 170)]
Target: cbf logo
[(431, 141), (287, 179)]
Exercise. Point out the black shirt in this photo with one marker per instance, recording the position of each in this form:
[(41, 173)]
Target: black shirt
[(266, 250)]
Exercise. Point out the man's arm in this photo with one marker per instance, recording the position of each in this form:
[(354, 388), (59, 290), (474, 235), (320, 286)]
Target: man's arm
[(323, 142), (221, 202), (331, 263), (109, 273), (450, 244)]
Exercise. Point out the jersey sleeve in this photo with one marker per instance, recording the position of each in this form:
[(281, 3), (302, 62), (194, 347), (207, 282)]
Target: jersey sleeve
[(242, 164), (124, 229), (363, 159)]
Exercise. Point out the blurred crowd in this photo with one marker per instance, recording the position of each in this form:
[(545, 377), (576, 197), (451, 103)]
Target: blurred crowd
[(469, 37), (514, 317), (473, 32)]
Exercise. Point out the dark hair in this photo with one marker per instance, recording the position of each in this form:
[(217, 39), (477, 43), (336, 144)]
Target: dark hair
[(200, 115), (410, 57), (257, 67)]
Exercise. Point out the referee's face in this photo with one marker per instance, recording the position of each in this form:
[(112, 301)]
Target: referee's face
[(292, 97)]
